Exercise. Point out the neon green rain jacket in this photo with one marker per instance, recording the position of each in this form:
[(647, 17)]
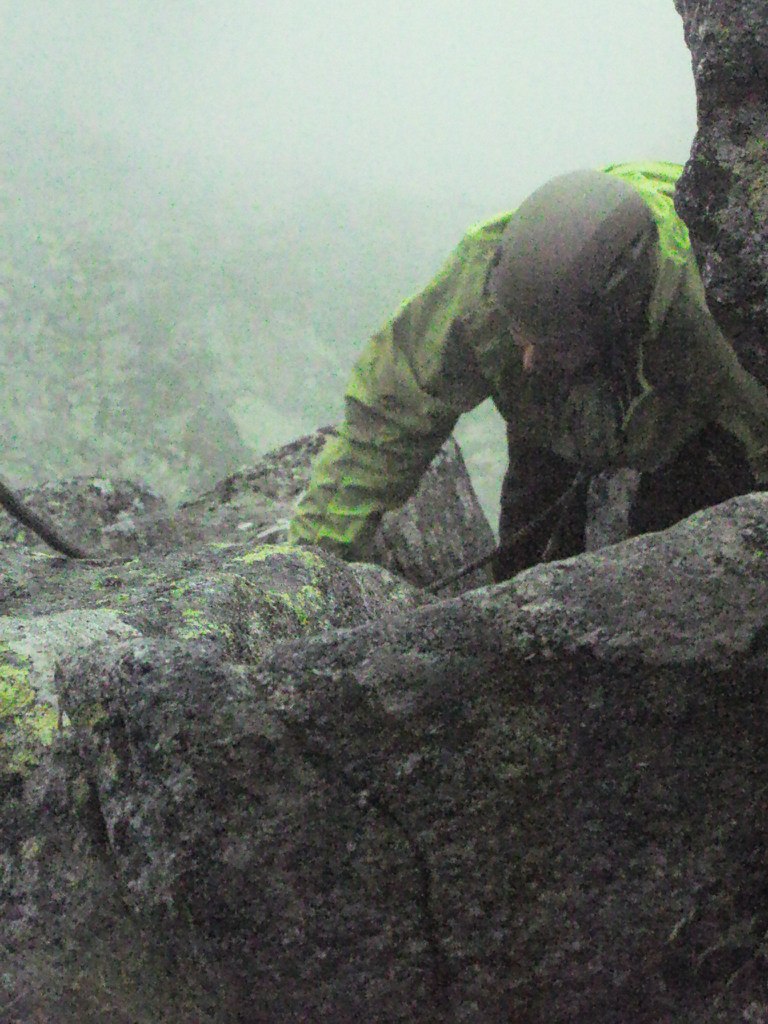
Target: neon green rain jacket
[(449, 348)]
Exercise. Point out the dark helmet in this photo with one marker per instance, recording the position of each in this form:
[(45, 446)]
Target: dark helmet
[(576, 266)]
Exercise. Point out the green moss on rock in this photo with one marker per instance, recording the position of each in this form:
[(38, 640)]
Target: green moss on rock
[(306, 606), (27, 725), (267, 551), (197, 626)]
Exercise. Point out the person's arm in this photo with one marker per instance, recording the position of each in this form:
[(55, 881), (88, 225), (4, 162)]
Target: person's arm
[(414, 379)]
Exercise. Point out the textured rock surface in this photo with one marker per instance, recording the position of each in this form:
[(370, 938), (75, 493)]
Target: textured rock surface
[(723, 195), (578, 759), (609, 504), (438, 531), (433, 535), (541, 801), (190, 604)]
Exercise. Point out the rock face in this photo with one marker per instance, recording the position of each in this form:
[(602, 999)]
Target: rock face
[(211, 582), (251, 783), (440, 529), (723, 195)]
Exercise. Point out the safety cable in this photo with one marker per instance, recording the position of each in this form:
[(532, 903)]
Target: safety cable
[(561, 502)]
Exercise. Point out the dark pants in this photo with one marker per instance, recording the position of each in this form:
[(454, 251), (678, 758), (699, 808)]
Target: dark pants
[(708, 469)]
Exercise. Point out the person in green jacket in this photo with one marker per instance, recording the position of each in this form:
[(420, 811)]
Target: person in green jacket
[(582, 315)]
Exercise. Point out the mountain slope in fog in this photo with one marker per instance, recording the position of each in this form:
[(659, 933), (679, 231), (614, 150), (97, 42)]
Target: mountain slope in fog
[(167, 328)]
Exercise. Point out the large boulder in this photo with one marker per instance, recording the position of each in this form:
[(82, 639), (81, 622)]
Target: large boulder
[(213, 586), (252, 783), (723, 195), (438, 531), (576, 763)]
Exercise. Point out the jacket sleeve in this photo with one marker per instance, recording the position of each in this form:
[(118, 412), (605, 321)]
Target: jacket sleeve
[(724, 390), (408, 388)]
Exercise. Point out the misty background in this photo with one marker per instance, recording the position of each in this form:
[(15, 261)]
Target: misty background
[(207, 206)]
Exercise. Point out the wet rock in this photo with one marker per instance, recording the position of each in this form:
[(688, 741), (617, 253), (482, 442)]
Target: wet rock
[(439, 530), (90, 511), (723, 194), (278, 787), (537, 801)]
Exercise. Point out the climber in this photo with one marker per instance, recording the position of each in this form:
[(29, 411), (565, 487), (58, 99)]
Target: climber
[(582, 315)]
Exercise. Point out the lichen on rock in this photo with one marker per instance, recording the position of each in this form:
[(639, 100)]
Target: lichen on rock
[(27, 725), (722, 195)]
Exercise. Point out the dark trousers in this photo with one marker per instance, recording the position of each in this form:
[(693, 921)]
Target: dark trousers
[(708, 469)]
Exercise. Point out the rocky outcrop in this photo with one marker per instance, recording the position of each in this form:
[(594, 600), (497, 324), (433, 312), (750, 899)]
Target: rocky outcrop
[(211, 585), (248, 782), (439, 530), (723, 195)]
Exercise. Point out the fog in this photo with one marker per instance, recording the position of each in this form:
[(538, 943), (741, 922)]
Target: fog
[(481, 99), (246, 173)]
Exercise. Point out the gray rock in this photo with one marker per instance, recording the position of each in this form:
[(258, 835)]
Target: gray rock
[(439, 530), (609, 503), (723, 195), (156, 655), (537, 801), (207, 601), (278, 787), (41, 641), (87, 510), (577, 756)]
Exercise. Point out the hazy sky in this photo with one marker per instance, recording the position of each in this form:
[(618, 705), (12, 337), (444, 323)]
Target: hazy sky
[(483, 99)]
